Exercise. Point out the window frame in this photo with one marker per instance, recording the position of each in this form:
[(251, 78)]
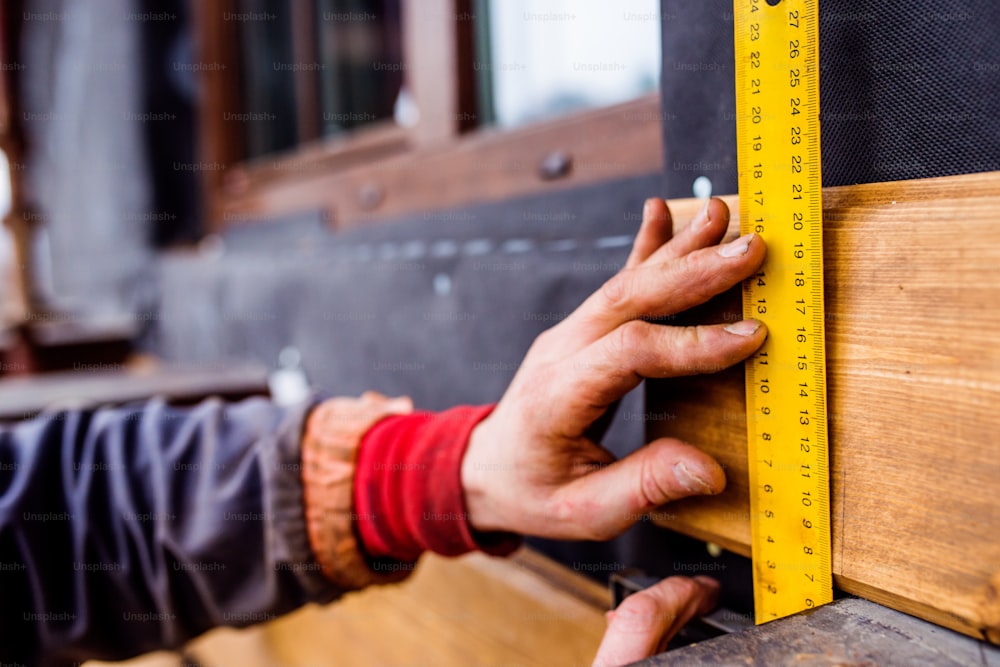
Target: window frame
[(385, 171)]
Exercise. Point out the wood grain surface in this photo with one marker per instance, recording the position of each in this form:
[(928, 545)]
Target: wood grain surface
[(475, 610), (913, 368), (526, 610)]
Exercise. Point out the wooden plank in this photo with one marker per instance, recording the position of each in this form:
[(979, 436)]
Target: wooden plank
[(475, 610), (490, 165), (362, 146), (913, 310)]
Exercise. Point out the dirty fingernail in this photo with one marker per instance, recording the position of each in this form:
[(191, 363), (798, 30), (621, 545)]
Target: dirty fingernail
[(738, 247), (744, 327), (691, 480)]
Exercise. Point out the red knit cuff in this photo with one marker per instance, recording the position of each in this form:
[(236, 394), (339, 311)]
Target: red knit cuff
[(408, 488)]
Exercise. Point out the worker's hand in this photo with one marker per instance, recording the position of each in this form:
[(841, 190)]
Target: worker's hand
[(644, 622), (532, 469)]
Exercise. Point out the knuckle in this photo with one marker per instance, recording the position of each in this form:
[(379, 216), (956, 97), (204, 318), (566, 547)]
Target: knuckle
[(700, 271), (543, 338), (692, 355), (563, 513), (628, 348), (653, 491), (581, 518), (617, 289), (631, 338), (628, 292), (544, 344), (583, 525)]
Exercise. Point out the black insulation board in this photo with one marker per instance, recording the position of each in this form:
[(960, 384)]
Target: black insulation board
[(907, 90)]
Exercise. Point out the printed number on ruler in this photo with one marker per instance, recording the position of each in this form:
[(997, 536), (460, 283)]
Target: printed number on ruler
[(778, 141)]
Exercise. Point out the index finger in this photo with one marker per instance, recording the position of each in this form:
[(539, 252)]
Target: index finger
[(653, 290)]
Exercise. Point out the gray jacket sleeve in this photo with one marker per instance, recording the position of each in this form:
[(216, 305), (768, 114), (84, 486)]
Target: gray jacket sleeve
[(128, 530)]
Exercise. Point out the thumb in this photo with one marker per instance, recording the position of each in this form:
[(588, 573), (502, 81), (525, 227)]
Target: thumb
[(618, 495), (645, 621)]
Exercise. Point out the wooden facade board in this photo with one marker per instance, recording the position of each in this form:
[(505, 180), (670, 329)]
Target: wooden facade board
[(913, 365)]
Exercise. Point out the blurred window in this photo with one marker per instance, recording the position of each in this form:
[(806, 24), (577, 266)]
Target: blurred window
[(366, 101), (536, 59), (314, 68), (361, 53)]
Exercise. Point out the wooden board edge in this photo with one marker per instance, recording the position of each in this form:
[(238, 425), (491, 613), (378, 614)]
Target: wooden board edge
[(953, 621)]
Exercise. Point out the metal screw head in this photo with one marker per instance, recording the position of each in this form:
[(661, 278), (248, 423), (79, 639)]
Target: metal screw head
[(370, 196), (557, 164)]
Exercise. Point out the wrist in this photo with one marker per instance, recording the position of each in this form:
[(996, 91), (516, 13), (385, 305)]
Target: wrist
[(410, 495), (476, 486), (330, 441)]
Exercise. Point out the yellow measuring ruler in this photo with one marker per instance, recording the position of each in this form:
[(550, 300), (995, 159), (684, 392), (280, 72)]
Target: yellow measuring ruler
[(780, 184)]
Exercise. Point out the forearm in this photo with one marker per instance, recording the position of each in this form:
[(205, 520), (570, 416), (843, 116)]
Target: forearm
[(123, 531), (128, 530)]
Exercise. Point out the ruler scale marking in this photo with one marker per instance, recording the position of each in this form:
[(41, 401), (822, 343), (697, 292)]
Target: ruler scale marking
[(777, 101)]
